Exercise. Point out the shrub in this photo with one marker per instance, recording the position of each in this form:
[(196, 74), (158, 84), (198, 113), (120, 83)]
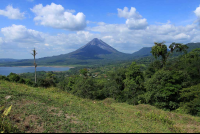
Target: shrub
[(28, 82), (190, 98), (13, 77), (46, 82), (3, 78), (22, 81), (164, 87)]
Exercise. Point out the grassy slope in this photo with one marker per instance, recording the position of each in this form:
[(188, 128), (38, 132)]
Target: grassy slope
[(51, 110)]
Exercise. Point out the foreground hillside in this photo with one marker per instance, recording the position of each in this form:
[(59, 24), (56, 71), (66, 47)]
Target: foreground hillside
[(52, 110)]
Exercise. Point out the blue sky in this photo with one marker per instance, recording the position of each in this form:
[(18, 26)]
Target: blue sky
[(62, 26)]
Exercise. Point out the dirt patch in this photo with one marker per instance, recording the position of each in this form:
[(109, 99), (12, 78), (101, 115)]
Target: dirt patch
[(29, 124), (72, 118), (190, 128), (24, 102), (52, 109)]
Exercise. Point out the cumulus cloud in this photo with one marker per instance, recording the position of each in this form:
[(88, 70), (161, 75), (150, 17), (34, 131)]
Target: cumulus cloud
[(136, 24), (57, 17), (12, 13), (20, 38), (101, 23), (126, 40), (197, 12), (1, 40), (20, 33), (181, 36), (126, 14), (134, 19), (71, 11)]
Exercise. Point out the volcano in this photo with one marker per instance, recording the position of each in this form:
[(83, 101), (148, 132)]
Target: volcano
[(93, 49)]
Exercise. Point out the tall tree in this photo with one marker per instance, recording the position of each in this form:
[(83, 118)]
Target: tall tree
[(34, 53), (160, 49)]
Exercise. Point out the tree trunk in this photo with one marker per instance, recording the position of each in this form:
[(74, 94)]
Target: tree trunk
[(34, 53), (35, 74), (35, 68)]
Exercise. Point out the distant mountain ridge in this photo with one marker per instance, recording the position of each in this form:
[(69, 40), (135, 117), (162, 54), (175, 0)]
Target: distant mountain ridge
[(7, 60), (94, 52)]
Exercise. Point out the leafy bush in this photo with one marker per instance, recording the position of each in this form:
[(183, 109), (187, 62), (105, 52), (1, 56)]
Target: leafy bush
[(152, 68), (164, 87), (48, 82), (133, 84), (21, 80), (87, 88), (3, 78), (190, 98), (13, 77), (28, 82)]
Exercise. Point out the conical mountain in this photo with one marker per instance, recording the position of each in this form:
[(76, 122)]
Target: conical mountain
[(92, 49)]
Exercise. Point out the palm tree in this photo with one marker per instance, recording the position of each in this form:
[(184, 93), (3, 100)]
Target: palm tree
[(160, 49)]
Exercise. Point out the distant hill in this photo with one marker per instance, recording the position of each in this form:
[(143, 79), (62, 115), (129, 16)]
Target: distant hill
[(7, 60), (145, 51), (95, 52), (191, 47)]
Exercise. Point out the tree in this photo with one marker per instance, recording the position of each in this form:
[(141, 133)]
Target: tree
[(163, 89), (160, 49), (34, 53), (84, 72), (133, 83)]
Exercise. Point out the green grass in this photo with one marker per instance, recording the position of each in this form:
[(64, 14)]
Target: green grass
[(52, 110)]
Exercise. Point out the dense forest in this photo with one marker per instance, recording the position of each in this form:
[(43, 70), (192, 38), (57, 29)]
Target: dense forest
[(169, 83)]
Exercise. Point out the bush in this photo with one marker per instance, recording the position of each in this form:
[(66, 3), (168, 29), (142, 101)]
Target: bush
[(13, 77), (163, 89), (133, 84), (48, 82), (4, 78), (190, 98), (34, 85), (28, 82), (22, 81)]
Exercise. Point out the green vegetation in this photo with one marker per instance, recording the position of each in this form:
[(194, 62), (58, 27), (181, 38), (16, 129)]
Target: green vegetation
[(170, 84), (53, 110)]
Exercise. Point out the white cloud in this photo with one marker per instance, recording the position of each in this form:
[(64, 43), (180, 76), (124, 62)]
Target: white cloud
[(107, 37), (126, 14), (101, 23), (136, 24), (197, 12), (134, 19), (71, 11), (181, 36), (57, 17), (126, 40), (46, 45), (12, 13), (19, 33), (1, 40)]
